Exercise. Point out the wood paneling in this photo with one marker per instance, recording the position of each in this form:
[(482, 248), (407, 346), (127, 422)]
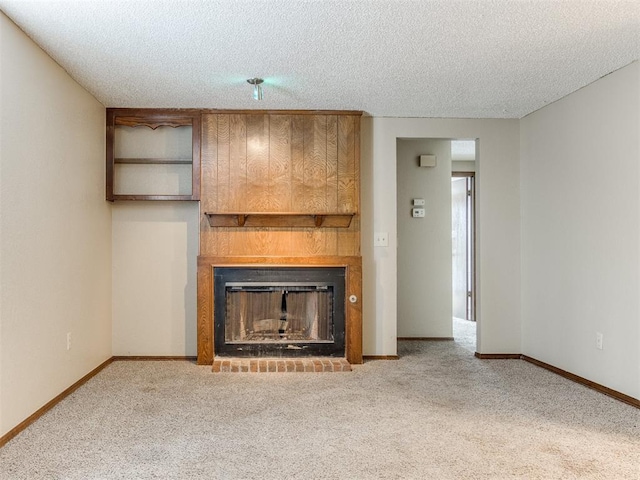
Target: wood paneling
[(280, 163), (348, 242), (205, 314), (257, 164), (209, 181), (354, 311)]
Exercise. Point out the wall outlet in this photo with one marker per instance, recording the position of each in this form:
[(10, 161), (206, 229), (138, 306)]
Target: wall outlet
[(598, 340), (381, 239), (69, 341)]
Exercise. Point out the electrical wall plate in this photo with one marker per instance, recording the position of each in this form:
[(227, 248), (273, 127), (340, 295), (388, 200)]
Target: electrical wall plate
[(381, 239), (418, 202)]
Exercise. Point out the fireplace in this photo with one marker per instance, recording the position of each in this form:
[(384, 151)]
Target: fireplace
[(279, 311)]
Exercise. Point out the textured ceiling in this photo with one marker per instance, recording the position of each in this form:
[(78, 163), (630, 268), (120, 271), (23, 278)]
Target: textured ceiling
[(473, 59)]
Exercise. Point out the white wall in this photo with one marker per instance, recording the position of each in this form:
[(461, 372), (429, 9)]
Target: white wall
[(155, 250), (55, 230), (581, 232), (498, 229), (424, 244)]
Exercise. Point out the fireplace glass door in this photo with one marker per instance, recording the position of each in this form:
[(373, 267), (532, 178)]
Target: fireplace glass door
[(286, 313)]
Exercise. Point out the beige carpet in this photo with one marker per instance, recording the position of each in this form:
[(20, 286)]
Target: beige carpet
[(437, 413)]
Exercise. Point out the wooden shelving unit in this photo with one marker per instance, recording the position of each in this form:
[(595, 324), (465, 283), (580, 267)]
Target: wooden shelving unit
[(287, 219), (152, 119)]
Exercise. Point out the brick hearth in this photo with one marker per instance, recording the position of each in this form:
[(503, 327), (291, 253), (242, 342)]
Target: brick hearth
[(266, 365)]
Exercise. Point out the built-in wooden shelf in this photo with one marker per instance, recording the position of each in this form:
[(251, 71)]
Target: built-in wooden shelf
[(288, 219), (154, 161), (118, 120)]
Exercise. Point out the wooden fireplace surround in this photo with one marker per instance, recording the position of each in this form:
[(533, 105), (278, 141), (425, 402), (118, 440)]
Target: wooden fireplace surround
[(353, 286)]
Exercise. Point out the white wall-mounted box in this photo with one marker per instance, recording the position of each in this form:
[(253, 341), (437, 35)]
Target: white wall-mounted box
[(427, 160), (417, 212)]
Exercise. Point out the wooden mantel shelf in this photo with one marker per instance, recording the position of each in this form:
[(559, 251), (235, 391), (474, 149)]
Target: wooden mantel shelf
[(287, 219)]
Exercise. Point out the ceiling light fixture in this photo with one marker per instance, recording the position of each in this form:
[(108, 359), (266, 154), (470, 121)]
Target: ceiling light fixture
[(257, 87)]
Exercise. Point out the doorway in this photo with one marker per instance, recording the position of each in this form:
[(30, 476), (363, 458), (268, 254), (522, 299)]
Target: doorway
[(462, 251), (463, 257)]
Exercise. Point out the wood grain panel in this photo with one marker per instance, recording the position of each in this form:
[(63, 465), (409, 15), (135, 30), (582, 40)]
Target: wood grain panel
[(258, 163), (280, 164), (297, 236), (355, 226), (205, 313), (238, 189), (354, 311), (315, 164), (222, 240), (224, 168), (306, 163), (348, 241), (208, 238), (196, 149), (262, 241), (280, 176), (223, 187), (346, 165), (315, 242), (332, 163), (209, 183), (237, 163), (356, 163), (297, 162), (331, 235)]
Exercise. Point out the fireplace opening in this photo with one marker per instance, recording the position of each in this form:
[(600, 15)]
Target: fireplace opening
[(284, 312)]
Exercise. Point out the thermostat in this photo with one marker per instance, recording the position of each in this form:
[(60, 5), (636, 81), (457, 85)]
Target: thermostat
[(417, 212)]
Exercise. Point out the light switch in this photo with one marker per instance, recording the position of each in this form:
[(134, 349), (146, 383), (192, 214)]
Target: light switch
[(418, 202), (381, 239)]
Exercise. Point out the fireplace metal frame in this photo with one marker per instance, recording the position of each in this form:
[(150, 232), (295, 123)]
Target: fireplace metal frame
[(332, 277)]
